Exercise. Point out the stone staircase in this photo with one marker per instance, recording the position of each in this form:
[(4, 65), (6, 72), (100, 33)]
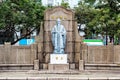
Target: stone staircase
[(59, 78)]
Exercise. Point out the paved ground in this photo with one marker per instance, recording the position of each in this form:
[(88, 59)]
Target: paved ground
[(66, 74), (59, 75)]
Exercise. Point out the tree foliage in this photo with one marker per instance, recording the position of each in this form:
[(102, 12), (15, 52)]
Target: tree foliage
[(20, 14), (84, 13), (65, 4), (101, 17)]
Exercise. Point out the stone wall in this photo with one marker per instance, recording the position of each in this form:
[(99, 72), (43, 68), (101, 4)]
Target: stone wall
[(101, 57), (116, 56), (94, 57), (101, 54), (17, 56)]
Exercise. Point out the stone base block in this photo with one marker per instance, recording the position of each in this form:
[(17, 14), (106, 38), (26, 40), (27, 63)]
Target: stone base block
[(72, 66), (81, 65), (36, 64), (45, 66), (58, 66)]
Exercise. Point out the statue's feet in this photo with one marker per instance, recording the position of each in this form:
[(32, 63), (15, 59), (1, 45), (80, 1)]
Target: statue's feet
[(55, 52), (59, 52), (62, 51)]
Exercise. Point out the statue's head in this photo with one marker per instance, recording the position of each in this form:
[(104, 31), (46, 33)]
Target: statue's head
[(58, 21)]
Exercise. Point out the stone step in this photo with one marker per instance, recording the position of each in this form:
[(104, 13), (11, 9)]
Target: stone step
[(4, 65), (102, 67), (59, 78), (16, 66)]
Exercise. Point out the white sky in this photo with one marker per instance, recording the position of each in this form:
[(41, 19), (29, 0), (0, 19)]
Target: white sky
[(72, 3)]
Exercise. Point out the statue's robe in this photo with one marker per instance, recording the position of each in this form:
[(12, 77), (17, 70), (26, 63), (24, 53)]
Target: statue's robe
[(58, 38)]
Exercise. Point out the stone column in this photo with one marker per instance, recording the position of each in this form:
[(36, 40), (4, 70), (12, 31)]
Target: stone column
[(77, 44), (84, 51), (78, 49), (36, 64), (81, 65), (110, 52), (34, 53), (7, 52), (39, 42)]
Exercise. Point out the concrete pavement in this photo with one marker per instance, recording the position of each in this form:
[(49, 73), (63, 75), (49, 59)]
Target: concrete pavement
[(59, 75)]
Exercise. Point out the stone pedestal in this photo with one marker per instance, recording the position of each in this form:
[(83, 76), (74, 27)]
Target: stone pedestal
[(36, 64), (81, 65), (72, 66), (58, 67), (58, 59), (58, 62)]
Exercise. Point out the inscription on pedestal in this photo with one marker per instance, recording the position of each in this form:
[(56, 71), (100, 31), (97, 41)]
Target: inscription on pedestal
[(58, 59), (58, 62)]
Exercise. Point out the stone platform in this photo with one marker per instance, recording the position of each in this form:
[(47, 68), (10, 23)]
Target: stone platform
[(58, 67), (58, 62), (60, 75)]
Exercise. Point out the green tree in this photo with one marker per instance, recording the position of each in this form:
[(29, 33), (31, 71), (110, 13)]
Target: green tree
[(109, 19), (65, 4), (101, 17), (84, 13), (17, 15)]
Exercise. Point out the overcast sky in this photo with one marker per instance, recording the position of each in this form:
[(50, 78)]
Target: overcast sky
[(72, 3)]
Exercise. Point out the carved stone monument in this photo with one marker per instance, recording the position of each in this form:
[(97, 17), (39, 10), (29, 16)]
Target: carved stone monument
[(59, 42)]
